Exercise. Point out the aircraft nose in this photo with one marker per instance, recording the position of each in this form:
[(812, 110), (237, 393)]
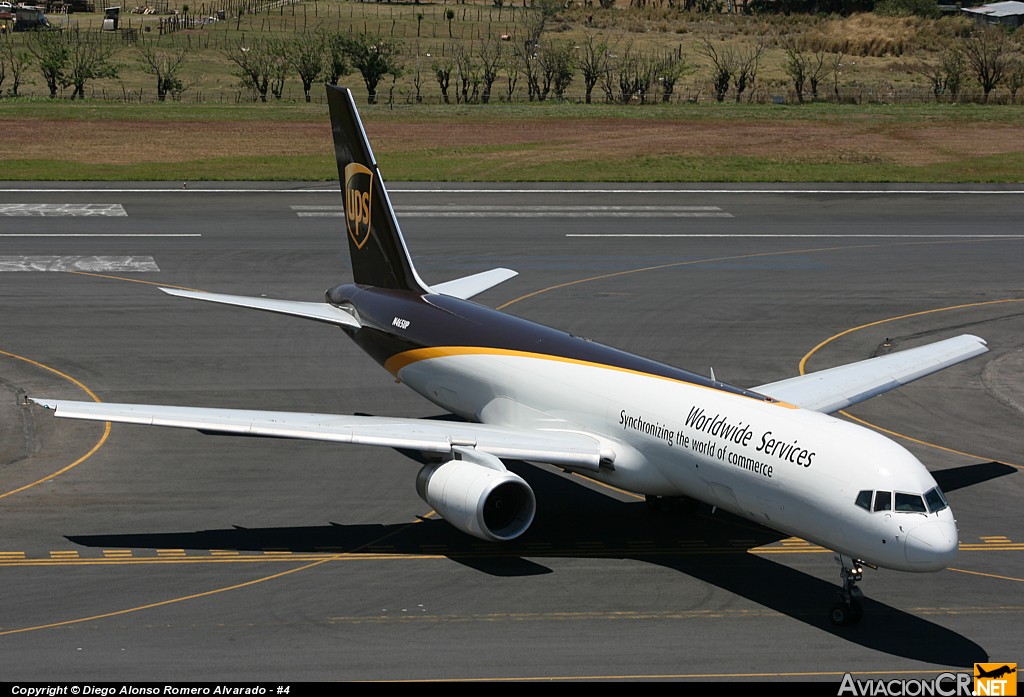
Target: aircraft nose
[(933, 545)]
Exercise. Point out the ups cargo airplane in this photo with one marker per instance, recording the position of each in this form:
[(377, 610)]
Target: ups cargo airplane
[(770, 454)]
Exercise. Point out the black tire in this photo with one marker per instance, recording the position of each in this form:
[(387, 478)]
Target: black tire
[(840, 614), (856, 612)]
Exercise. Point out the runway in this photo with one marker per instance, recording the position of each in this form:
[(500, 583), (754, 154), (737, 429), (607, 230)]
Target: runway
[(133, 553)]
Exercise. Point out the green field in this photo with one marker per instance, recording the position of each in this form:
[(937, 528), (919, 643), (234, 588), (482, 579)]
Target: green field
[(876, 120)]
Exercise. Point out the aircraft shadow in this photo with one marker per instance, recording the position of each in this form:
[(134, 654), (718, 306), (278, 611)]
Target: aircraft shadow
[(576, 521), (970, 475)]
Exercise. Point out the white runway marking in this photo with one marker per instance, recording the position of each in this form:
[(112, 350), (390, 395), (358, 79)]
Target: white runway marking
[(113, 210), (702, 191), (448, 211), (77, 263), (872, 192), (98, 234), (811, 236)]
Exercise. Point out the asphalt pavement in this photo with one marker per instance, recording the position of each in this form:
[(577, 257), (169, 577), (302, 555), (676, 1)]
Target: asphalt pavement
[(162, 554)]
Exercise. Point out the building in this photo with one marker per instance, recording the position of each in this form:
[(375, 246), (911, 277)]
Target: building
[(1010, 13)]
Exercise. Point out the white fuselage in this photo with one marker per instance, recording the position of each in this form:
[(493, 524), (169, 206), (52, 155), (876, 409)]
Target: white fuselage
[(791, 469)]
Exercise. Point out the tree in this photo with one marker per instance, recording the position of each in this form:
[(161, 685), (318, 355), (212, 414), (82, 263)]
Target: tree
[(819, 69), (642, 68), (14, 64), (374, 57), (336, 61), (944, 75), (594, 61), (165, 66), (1015, 79), (748, 62), (51, 51), (417, 77), (796, 67), (512, 70), (278, 49), (724, 64), (630, 77), (617, 82), (88, 58), (254, 60), (528, 65), (490, 56), (837, 65), (442, 68), (306, 54), (469, 75), (955, 66), (668, 70), (987, 51), (558, 66)]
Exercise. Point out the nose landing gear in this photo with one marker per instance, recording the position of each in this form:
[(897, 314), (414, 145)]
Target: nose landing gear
[(848, 609)]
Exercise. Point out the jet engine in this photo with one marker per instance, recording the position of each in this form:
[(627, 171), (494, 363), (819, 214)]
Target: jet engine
[(476, 494)]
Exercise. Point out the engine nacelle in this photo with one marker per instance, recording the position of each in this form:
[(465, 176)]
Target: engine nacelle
[(483, 500)]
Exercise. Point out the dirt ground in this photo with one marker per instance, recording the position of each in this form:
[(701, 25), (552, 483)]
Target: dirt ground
[(793, 141)]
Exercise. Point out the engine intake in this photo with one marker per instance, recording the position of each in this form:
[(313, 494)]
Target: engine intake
[(479, 497)]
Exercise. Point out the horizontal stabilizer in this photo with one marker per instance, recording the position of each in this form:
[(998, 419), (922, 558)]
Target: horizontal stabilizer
[(321, 312), (837, 388), (469, 286), (567, 449)]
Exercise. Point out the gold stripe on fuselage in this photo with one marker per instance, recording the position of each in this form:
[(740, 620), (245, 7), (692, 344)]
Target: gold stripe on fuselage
[(397, 362)]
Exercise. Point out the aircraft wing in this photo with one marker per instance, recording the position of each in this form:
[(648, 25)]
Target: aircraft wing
[(564, 448), (837, 388), (321, 312)]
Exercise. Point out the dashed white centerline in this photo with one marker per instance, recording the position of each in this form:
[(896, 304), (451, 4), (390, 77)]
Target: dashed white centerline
[(97, 234), (484, 211), (795, 235)]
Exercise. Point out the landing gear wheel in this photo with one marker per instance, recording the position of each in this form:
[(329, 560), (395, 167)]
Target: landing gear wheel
[(671, 504), (845, 614), (858, 611), (839, 615), (848, 609)]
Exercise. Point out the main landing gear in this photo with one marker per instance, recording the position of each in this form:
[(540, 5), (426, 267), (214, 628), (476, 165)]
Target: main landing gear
[(848, 609), (672, 504)]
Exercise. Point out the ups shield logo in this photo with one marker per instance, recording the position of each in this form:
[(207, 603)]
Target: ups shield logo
[(358, 197)]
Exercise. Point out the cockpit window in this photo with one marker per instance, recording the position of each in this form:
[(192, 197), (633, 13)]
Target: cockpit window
[(883, 500), (864, 500), (935, 500), (909, 503), (932, 502)]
